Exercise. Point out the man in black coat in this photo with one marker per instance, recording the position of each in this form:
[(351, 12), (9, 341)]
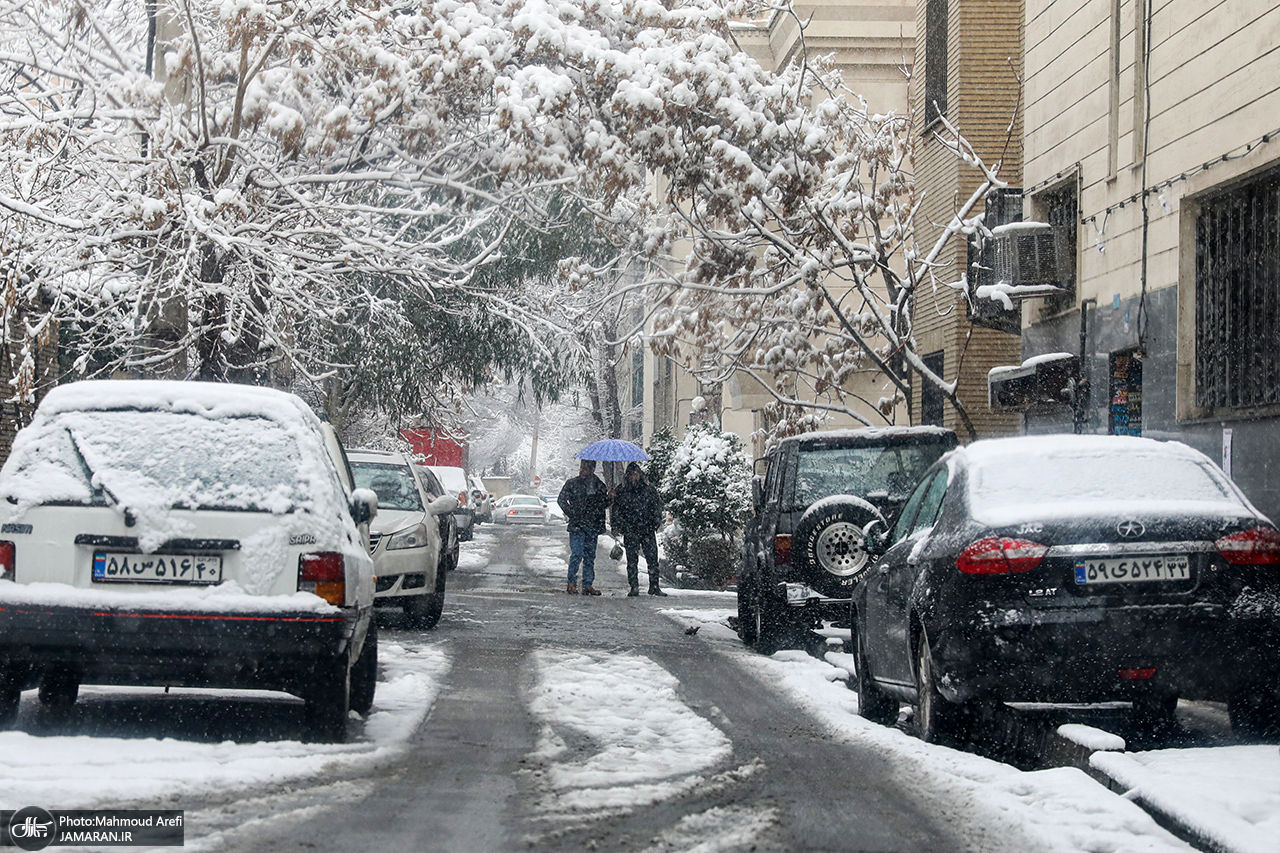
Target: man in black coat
[(584, 499), (637, 513)]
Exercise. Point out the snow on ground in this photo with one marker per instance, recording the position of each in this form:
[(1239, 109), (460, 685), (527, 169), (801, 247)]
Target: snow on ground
[(998, 807), (82, 771), (615, 734), (716, 829), (1229, 794)]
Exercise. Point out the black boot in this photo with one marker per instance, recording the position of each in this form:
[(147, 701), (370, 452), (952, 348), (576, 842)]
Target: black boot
[(653, 588), (635, 590)]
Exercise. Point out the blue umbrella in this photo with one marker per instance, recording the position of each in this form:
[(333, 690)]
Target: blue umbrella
[(613, 450)]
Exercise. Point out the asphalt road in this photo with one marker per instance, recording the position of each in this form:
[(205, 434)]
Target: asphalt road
[(466, 783)]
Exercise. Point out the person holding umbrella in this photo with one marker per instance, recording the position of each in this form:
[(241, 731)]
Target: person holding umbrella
[(584, 500), (637, 513)]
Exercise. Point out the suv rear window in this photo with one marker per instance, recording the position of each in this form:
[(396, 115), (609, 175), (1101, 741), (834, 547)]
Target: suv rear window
[(867, 471)]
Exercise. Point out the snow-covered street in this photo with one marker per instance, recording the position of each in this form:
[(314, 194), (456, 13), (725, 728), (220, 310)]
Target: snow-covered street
[(608, 723)]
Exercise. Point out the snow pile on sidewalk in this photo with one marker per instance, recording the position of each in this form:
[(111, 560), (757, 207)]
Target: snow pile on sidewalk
[(82, 771), (997, 807), (615, 734), (1230, 795)]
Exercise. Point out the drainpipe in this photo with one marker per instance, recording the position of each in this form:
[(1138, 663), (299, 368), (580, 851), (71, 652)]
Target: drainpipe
[(1080, 398)]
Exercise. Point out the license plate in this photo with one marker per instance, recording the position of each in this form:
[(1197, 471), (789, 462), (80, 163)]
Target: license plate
[(115, 567), (1140, 569)]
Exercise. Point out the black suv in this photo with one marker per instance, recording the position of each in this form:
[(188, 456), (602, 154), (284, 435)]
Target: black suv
[(803, 547)]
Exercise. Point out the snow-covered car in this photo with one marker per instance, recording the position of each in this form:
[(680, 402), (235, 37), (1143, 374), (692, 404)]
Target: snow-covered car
[(1071, 569), (455, 480), (433, 489), (481, 501), (803, 545), (405, 537), (520, 509), (184, 533)]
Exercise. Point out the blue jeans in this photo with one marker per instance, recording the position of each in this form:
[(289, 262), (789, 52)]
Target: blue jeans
[(582, 549)]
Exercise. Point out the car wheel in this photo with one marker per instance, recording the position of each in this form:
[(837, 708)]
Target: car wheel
[(1155, 713), (423, 612), (938, 720), (364, 675), (328, 701), (12, 679), (746, 611), (1255, 713), (59, 688), (873, 703), (830, 543), (774, 627)]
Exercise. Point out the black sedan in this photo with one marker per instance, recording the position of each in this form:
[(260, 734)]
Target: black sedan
[(1071, 569)]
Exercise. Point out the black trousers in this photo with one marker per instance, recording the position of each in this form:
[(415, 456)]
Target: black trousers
[(636, 544)]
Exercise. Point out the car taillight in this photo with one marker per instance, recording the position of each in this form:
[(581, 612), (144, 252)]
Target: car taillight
[(1258, 546), (8, 554), (1000, 555), (782, 550), (323, 573)]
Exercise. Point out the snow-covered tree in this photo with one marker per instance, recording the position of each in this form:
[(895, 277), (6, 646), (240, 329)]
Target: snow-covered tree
[(707, 486)]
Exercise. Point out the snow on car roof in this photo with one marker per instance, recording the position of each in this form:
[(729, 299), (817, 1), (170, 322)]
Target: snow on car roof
[(873, 433), (1067, 475), (211, 399)]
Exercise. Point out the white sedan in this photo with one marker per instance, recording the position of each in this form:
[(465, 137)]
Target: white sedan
[(520, 509)]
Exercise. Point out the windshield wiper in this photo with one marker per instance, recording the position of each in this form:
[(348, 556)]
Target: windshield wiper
[(130, 518)]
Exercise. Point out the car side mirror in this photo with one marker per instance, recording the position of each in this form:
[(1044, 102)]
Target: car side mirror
[(442, 505), (875, 537), (364, 505), (757, 494)]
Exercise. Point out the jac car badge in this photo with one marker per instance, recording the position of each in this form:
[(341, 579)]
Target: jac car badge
[(1131, 529)]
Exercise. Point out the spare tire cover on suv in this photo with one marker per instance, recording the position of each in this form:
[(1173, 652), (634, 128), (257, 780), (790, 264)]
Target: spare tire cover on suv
[(828, 543)]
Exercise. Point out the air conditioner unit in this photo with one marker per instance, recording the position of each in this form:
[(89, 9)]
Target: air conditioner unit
[(1030, 253)]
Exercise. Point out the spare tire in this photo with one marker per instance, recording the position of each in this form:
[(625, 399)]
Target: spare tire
[(829, 545)]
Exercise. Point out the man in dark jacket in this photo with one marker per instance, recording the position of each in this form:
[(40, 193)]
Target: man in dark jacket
[(637, 513), (584, 499)]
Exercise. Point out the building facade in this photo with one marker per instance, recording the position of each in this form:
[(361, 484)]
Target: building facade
[(1155, 130)]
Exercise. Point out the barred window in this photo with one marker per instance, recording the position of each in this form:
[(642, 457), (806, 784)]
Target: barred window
[(1061, 209), (1238, 297), (935, 60)]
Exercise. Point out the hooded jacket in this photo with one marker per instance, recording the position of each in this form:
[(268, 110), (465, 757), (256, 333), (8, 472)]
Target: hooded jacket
[(637, 509)]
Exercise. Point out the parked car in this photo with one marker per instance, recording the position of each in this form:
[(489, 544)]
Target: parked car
[(803, 547), (405, 538), (455, 480), (433, 488), (1071, 569), (481, 501), (521, 509), (184, 533), (554, 512)]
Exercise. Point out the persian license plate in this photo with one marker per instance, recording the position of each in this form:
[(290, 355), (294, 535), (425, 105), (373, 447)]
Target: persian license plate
[(1137, 569), (116, 567)]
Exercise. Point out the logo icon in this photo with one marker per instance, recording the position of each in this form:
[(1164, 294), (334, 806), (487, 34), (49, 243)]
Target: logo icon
[(1131, 529), (32, 828)]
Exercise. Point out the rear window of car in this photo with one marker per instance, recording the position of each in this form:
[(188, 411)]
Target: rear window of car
[(141, 458), (1014, 481), (394, 484), (867, 471), (527, 500)]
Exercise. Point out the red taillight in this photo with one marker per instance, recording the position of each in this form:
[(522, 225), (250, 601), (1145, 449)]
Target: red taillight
[(1258, 546), (462, 498), (323, 573), (782, 550), (1000, 555), (1139, 673), (8, 553)]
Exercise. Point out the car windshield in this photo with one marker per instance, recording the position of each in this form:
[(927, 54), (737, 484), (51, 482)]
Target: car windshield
[(394, 484), (1012, 481), (872, 471), (143, 458)]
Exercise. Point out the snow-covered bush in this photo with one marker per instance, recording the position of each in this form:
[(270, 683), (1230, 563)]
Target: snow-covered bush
[(662, 446), (707, 490)]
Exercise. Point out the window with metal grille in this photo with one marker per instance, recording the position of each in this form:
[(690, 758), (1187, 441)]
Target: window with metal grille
[(931, 398), (1238, 297), (935, 60)]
